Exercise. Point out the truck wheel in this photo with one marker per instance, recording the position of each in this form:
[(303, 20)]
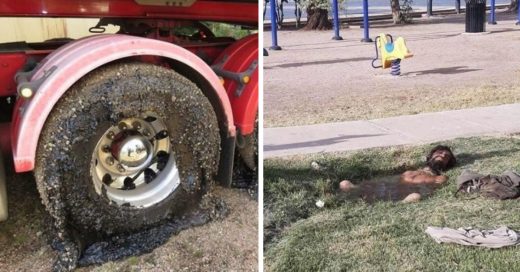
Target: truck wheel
[(125, 148)]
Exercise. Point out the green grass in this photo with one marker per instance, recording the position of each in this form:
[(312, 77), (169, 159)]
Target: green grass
[(351, 235)]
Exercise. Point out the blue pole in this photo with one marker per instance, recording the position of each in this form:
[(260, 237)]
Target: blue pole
[(457, 6), (492, 20), (518, 17), (336, 37), (429, 8), (366, 37), (274, 44)]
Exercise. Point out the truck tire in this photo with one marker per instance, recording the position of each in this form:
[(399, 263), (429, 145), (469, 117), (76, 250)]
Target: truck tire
[(127, 147)]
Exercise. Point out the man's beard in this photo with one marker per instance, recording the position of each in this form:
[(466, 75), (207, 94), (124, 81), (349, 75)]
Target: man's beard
[(436, 166)]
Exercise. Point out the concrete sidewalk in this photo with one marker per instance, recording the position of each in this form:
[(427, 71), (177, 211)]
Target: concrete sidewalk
[(407, 129)]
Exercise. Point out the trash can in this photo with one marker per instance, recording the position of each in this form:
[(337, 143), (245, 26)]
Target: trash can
[(475, 16)]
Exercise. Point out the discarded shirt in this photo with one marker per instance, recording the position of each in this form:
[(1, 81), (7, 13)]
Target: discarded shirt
[(505, 186), (496, 238)]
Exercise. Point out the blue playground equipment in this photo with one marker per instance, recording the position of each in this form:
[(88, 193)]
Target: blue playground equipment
[(335, 13), (518, 20), (280, 13), (366, 37), (492, 20), (274, 28), (335, 16), (297, 12)]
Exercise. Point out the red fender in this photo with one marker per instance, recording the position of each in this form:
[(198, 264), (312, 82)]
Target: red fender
[(73, 61), (240, 57)]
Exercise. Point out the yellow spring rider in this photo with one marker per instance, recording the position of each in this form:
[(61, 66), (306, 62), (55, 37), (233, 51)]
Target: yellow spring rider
[(391, 53)]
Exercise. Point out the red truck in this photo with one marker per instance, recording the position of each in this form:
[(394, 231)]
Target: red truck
[(124, 130)]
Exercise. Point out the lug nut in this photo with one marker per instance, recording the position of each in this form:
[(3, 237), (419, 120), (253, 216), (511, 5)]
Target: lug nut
[(120, 168), (136, 125), (146, 133), (110, 135), (122, 126), (110, 161), (106, 148)]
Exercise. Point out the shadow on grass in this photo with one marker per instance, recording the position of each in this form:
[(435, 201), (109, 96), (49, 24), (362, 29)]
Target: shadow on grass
[(335, 168), (470, 158)]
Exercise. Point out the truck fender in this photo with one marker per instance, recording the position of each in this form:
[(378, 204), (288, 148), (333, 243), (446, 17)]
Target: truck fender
[(238, 66), (65, 66)]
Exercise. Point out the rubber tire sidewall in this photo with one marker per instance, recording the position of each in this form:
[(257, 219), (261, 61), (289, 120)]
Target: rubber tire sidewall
[(102, 99)]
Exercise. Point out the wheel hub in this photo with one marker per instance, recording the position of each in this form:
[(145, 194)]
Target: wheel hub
[(133, 163), (134, 152)]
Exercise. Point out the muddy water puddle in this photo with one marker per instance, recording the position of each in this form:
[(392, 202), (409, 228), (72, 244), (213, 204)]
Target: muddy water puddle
[(118, 247), (211, 208), (389, 189), (76, 250)]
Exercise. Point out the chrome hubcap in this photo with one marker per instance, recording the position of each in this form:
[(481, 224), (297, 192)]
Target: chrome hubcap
[(133, 164), (134, 152)]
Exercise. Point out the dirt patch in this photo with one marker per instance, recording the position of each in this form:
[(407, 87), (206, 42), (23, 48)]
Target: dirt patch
[(314, 79), (225, 244), (23, 240)]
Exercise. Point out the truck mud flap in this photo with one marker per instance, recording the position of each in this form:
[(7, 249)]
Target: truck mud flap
[(227, 155)]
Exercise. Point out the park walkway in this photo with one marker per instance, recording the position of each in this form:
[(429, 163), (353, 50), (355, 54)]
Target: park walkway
[(400, 130)]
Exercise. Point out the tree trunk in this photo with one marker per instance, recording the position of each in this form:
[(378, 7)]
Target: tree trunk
[(317, 19), (396, 11), (513, 6)]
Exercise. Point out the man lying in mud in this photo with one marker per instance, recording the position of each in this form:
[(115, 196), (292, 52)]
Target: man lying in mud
[(440, 159), (410, 184)]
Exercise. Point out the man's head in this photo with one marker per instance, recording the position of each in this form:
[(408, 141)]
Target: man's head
[(440, 158)]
